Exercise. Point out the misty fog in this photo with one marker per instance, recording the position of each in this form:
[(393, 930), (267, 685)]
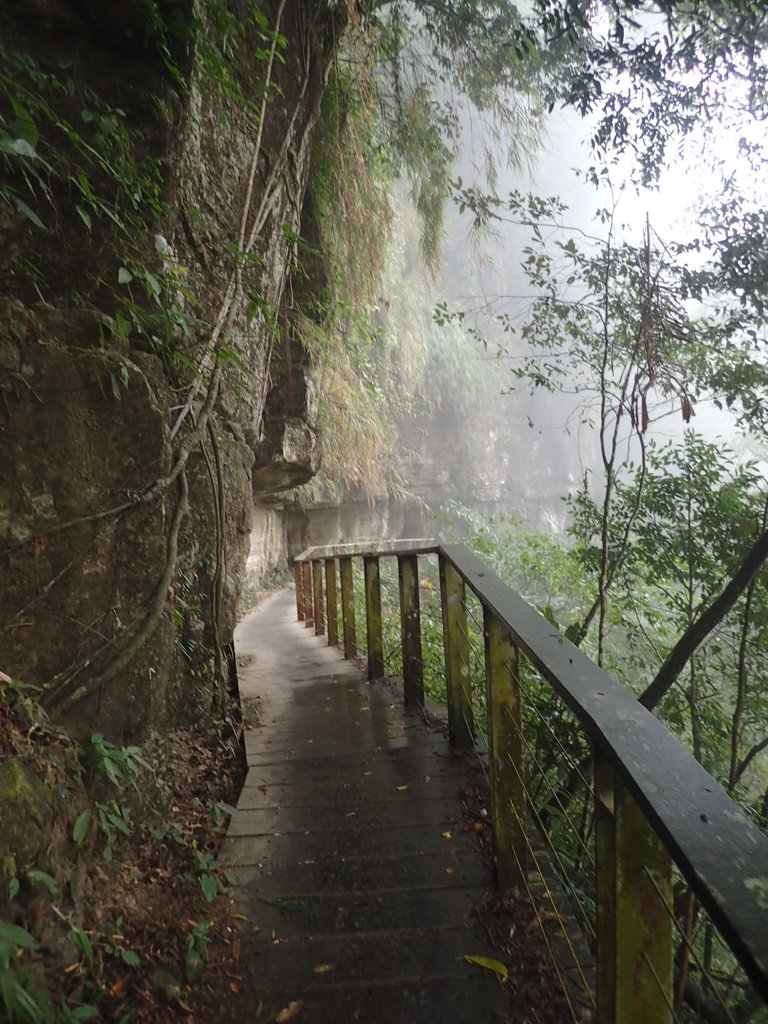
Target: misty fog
[(485, 276)]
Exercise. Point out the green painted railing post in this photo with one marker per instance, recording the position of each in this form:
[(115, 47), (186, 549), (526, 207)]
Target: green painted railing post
[(309, 607), (505, 741), (410, 629), (332, 599), (373, 617), (317, 588), (453, 594), (298, 580), (348, 607), (634, 927)]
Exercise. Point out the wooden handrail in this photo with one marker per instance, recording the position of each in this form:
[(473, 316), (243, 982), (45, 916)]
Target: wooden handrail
[(721, 853), (373, 549)]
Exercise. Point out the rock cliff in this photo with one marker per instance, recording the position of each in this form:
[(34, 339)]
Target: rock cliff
[(154, 160)]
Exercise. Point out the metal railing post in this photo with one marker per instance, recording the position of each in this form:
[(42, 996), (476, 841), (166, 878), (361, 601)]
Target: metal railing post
[(634, 927), (453, 597), (508, 800), (317, 589), (348, 607), (373, 624), (332, 600), (410, 629)]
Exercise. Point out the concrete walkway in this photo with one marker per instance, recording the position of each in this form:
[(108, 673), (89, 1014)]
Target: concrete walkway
[(349, 844)]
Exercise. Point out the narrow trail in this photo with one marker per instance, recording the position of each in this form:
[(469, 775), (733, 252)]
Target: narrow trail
[(349, 845)]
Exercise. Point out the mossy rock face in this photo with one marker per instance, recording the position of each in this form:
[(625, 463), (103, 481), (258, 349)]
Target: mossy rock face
[(26, 818)]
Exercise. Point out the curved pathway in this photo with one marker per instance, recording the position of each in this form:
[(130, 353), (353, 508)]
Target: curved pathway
[(349, 844)]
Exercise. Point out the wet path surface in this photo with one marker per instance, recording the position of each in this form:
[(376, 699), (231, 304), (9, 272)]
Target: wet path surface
[(349, 845)]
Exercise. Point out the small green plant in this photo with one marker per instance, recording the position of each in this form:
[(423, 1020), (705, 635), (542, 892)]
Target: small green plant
[(118, 949), (21, 996), (213, 880), (220, 811), (114, 820), (110, 769), (44, 879), (197, 951), (84, 943), (113, 766), (82, 826), (170, 830)]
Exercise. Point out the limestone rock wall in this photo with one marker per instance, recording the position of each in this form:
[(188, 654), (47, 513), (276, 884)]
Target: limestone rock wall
[(268, 555), (127, 457)]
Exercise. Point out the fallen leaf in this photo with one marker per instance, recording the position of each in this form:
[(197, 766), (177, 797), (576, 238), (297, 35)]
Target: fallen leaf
[(446, 835), (449, 871), (350, 814), (488, 964), (234, 987), (119, 986), (323, 968), (427, 778), (293, 1009), (401, 788), (236, 949), (479, 826), (167, 984)]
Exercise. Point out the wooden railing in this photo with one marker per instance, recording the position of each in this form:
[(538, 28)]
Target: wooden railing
[(670, 862)]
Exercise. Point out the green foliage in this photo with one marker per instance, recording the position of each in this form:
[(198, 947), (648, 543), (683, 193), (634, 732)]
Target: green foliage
[(111, 765), (221, 39), (434, 60), (654, 72), (21, 998), (57, 136), (351, 182), (212, 879), (24, 994), (73, 162), (82, 826), (118, 950), (385, 115), (701, 510), (197, 951), (375, 343)]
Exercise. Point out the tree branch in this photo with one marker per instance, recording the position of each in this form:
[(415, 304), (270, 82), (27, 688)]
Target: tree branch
[(700, 629)]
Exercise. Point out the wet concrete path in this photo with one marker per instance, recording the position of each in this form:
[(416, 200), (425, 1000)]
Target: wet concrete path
[(349, 845)]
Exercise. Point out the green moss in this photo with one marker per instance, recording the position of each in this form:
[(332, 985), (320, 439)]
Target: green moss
[(20, 533), (26, 814)]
